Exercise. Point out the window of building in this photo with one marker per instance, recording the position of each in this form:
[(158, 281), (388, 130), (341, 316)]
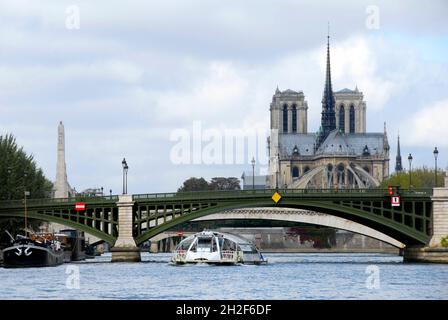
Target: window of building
[(295, 172), (294, 118), (342, 118), (285, 118), (352, 119)]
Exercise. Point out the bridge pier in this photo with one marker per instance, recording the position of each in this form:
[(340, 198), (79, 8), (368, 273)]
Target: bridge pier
[(434, 252), (125, 248)]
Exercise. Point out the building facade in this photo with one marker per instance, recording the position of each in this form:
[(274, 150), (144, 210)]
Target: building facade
[(342, 154)]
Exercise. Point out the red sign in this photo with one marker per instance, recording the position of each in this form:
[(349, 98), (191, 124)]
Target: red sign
[(80, 206), (396, 201)]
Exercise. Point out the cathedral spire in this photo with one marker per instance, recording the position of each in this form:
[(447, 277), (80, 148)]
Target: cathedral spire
[(328, 120), (398, 166)]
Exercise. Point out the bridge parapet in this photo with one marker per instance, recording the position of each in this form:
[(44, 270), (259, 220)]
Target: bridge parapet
[(294, 193), (440, 215)]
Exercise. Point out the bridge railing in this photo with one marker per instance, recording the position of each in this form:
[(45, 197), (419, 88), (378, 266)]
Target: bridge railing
[(57, 201), (283, 192), (221, 194)]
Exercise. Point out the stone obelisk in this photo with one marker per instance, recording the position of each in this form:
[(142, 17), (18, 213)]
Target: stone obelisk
[(61, 188)]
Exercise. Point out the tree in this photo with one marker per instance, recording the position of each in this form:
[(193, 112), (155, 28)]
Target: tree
[(217, 183), (19, 172), (421, 178), (194, 184), (221, 183)]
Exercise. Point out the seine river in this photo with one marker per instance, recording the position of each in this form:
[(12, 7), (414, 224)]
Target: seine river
[(287, 276)]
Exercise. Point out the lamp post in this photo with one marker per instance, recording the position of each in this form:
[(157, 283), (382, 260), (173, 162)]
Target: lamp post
[(410, 170), (102, 193), (110, 193), (436, 154), (125, 176), (253, 173)]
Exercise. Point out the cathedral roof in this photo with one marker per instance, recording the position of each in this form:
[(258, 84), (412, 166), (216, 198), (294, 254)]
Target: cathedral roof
[(337, 143), (304, 142), (348, 91)]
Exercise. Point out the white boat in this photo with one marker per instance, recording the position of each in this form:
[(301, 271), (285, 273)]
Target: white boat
[(216, 248)]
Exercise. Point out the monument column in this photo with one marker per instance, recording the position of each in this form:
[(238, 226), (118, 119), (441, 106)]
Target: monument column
[(61, 183), (125, 248)]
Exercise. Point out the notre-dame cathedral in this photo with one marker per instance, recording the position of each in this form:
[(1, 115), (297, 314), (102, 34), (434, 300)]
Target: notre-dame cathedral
[(340, 155)]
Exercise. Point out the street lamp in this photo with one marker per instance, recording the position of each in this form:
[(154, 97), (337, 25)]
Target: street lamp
[(253, 173), (102, 193), (110, 193), (436, 154), (125, 176), (410, 170)]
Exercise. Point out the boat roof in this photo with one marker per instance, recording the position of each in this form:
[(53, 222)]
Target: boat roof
[(232, 237)]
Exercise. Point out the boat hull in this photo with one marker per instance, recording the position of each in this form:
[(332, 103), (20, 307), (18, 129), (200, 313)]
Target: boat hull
[(28, 256)]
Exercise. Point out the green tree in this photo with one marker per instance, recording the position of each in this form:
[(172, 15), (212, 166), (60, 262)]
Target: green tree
[(221, 183), (194, 184), (421, 178), (19, 172), (217, 183)]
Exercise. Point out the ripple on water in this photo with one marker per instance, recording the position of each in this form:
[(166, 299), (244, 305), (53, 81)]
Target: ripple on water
[(286, 276)]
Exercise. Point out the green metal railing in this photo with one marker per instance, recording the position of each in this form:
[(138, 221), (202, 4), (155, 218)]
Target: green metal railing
[(198, 195), (57, 201)]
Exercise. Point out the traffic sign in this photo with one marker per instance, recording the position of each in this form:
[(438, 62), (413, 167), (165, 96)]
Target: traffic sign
[(396, 201), (80, 206)]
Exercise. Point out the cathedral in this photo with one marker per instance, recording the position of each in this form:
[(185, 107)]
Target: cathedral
[(340, 155)]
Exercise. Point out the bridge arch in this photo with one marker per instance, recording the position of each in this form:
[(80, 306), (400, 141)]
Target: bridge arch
[(394, 230), (303, 216), (68, 223)]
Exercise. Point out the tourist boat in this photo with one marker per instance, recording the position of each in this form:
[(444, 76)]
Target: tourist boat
[(35, 250), (216, 248)]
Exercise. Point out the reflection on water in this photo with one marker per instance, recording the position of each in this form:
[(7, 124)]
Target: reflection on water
[(287, 276)]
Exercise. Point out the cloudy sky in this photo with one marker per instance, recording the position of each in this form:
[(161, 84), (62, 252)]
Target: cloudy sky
[(136, 72)]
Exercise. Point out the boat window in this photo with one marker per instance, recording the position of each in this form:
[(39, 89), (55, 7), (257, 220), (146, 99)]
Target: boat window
[(247, 248), (185, 244), (204, 244), (229, 245), (215, 245)]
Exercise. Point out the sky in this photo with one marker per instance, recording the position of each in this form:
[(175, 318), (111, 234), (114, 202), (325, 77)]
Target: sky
[(139, 79)]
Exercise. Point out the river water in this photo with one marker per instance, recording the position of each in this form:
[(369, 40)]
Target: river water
[(287, 276)]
